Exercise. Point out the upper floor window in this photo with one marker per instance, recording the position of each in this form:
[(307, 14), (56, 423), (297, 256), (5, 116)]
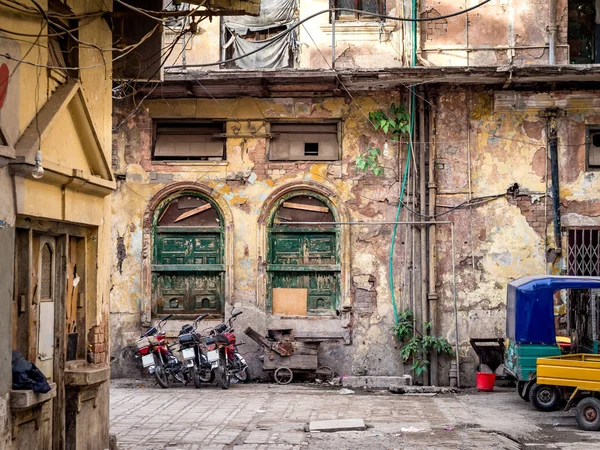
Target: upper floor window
[(584, 31), (593, 148), (369, 7), (304, 142), (191, 141)]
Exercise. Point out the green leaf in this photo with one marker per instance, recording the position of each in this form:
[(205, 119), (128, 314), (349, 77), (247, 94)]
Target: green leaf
[(376, 171)]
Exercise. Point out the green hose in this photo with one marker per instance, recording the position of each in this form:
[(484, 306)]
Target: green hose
[(408, 155), (402, 189)]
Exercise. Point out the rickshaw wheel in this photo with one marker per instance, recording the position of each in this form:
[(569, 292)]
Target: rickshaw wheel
[(544, 397), (588, 414), (283, 375), (523, 393)]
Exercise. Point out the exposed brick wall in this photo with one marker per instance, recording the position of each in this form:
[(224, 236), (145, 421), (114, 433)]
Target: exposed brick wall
[(434, 28), (533, 209), (97, 344)]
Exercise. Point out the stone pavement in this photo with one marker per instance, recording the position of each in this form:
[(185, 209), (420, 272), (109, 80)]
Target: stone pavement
[(266, 416)]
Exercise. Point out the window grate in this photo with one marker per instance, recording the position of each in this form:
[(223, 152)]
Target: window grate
[(311, 149), (583, 253)]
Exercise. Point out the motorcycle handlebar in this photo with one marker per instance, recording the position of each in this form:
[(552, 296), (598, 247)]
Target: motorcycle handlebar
[(236, 314)]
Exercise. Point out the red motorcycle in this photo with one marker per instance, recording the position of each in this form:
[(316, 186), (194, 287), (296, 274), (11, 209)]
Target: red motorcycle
[(223, 356), (157, 356)]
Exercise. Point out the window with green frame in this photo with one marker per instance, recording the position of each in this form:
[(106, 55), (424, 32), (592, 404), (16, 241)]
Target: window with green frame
[(304, 262), (188, 267)]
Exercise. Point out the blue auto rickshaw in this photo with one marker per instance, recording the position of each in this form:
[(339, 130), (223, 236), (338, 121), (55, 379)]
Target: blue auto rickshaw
[(531, 333)]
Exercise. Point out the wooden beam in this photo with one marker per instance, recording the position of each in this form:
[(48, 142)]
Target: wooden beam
[(193, 212), (320, 209)]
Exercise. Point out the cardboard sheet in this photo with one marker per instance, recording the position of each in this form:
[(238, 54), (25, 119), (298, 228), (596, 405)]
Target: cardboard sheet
[(289, 302)]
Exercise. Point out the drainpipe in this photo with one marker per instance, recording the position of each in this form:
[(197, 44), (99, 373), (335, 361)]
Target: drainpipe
[(432, 296), (552, 30), (423, 212), (553, 144)]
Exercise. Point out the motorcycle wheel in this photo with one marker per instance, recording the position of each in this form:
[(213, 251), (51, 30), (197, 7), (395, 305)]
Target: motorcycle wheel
[(160, 373), (206, 376), (241, 375), (195, 374), (222, 376)]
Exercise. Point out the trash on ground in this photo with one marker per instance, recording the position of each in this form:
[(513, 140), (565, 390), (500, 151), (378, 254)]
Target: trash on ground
[(345, 391), (411, 429)]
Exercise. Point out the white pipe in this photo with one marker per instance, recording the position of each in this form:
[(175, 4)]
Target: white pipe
[(552, 29)]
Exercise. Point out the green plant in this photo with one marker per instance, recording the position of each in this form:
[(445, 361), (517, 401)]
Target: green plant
[(416, 346), (369, 160), (396, 124)]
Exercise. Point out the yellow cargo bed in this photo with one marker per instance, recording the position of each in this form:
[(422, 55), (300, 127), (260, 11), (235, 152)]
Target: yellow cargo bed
[(579, 370)]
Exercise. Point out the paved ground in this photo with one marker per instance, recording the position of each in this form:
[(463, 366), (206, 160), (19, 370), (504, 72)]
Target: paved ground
[(265, 416)]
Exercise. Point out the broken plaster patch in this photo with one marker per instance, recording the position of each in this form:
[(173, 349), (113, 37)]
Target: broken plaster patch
[(503, 259)]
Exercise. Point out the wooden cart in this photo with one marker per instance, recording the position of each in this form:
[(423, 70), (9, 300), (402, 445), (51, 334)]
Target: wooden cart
[(286, 354), (578, 377)]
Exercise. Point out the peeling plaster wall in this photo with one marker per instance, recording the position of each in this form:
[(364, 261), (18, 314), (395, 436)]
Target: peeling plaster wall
[(500, 32), (242, 185), (485, 146)]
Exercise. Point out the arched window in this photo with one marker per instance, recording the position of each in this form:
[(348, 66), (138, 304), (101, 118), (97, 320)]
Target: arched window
[(304, 262), (188, 264)]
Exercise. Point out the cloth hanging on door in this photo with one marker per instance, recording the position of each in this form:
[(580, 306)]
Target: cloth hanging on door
[(273, 13), (274, 56)]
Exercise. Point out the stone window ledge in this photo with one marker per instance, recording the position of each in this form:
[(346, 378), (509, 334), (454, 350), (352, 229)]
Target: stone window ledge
[(80, 373), (359, 31), (27, 399)]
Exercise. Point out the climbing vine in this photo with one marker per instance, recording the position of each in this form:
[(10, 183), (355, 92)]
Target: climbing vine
[(396, 125), (416, 346)]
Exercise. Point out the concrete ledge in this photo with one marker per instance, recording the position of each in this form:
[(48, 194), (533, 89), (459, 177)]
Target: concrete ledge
[(86, 375), (336, 425), (376, 382), (28, 399), (415, 390)]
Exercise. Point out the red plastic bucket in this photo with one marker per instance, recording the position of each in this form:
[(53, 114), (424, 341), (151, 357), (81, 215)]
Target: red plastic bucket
[(485, 381)]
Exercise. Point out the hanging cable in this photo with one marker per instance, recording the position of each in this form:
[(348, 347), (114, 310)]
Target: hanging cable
[(283, 34)]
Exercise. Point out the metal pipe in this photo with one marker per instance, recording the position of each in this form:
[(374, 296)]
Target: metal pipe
[(553, 143), (455, 307), (432, 295), (423, 211), (499, 47), (439, 222), (552, 29), (333, 12)]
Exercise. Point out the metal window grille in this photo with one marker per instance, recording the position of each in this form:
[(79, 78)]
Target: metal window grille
[(583, 253)]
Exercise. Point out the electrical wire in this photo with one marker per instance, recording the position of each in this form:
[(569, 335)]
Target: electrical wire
[(283, 34)]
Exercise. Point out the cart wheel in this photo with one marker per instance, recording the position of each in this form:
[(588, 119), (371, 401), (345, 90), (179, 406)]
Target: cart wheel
[(588, 414), (326, 373), (283, 375), (523, 393), (544, 397)]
